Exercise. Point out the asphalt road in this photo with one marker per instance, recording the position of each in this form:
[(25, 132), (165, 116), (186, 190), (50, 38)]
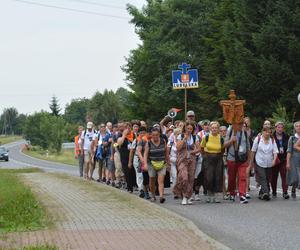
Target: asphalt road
[(257, 225)]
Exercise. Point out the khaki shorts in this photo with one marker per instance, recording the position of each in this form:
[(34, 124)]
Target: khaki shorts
[(118, 165), (87, 157)]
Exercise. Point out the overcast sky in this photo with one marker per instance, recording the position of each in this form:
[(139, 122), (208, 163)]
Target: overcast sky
[(48, 51)]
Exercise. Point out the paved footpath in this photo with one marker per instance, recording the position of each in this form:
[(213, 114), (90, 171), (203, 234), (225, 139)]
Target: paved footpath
[(91, 216)]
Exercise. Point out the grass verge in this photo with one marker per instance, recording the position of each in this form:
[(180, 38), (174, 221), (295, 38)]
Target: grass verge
[(19, 210), (66, 156), (4, 139), (41, 247)]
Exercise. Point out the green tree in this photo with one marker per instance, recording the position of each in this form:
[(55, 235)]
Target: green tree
[(250, 46), (45, 130), (76, 111), (9, 120), (54, 106)]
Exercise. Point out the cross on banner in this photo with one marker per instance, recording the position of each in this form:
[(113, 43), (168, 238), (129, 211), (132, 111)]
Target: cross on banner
[(185, 77)]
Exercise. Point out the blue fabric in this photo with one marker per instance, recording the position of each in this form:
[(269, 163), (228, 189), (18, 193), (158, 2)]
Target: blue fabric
[(99, 152)]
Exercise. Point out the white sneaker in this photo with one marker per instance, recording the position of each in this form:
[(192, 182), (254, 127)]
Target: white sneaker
[(190, 201), (197, 197), (184, 201)]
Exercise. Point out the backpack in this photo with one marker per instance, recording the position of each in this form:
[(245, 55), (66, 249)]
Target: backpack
[(193, 136)]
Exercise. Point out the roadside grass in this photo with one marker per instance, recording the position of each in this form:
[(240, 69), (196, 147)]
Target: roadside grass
[(66, 156), (41, 247), (4, 139), (19, 209)]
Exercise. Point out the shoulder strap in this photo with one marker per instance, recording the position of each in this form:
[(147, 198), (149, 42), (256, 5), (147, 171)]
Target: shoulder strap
[(230, 133), (222, 141), (206, 138), (194, 139)]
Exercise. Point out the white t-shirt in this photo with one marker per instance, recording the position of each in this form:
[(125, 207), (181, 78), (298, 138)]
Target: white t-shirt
[(264, 152), (172, 145), (88, 137)]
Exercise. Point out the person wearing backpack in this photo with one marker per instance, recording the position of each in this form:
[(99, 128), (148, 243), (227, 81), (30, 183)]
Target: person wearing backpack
[(264, 151), (155, 159), (101, 147), (134, 160), (281, 139), (293, 160), (238, 155), (212, 149), (87, 150), (186, 163)]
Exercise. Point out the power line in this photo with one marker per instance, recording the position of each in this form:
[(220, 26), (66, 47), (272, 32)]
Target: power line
[(99, 4), (71, 9)]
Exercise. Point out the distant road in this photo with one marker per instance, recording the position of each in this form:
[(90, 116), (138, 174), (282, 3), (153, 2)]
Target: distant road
[(258, 225)]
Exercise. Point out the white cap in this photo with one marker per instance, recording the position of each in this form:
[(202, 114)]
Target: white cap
[(89, 125), (190, 113)]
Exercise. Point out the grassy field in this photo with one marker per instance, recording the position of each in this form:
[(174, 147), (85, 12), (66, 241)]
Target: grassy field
[(4, 139), (36, 248), (66, 156), (19, 210)]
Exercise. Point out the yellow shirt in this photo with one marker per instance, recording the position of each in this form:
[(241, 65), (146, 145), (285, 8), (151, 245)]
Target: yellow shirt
[(213, 145)]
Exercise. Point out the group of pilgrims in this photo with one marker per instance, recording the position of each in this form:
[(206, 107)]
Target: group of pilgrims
[(190, 157)]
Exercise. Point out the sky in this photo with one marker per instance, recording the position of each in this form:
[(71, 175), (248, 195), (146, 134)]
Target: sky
[(46, 50)]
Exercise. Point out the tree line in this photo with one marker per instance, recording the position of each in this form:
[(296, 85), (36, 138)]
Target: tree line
[(250, 46)]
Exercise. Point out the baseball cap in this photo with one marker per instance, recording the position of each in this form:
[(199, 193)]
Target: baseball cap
[(190, 113), (89, 125)]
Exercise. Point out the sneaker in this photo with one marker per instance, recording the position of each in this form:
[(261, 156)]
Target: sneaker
[(232, 198), (248, 196), (184, 201), (98, 180), (108, 182), (104, 179), (216, 200), (176, 197), (113, 184), (294, 195), (274, 195), (243, 200), (190, 201), (197, 197), (208, 200), (286, 196), (226, 197), (142, 194), (147, 196), (162, 200), (266, 197)]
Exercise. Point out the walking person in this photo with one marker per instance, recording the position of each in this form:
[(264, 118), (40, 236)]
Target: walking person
[(124, 144), (186, 163), (238, 156), (101, 144), (87, 151), (293, 160), (264, 151), (281, 139), (135, 161), (212, 148), (78, 155), (172, 152), (156, 158)]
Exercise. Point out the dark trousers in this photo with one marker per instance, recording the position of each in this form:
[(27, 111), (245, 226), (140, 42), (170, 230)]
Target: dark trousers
[(280, 168), (213, 168), (264, 177), (129, 175)]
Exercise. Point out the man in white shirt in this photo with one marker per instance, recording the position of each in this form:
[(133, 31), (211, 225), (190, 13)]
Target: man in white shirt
[(87, 137)]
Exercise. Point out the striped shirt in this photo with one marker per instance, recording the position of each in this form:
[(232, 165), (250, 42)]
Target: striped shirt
[(157, 153)]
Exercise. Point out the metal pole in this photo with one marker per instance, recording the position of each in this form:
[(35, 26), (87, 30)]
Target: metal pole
[(185, 101)]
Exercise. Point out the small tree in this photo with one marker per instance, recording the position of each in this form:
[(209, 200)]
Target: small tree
[(54, 106)]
